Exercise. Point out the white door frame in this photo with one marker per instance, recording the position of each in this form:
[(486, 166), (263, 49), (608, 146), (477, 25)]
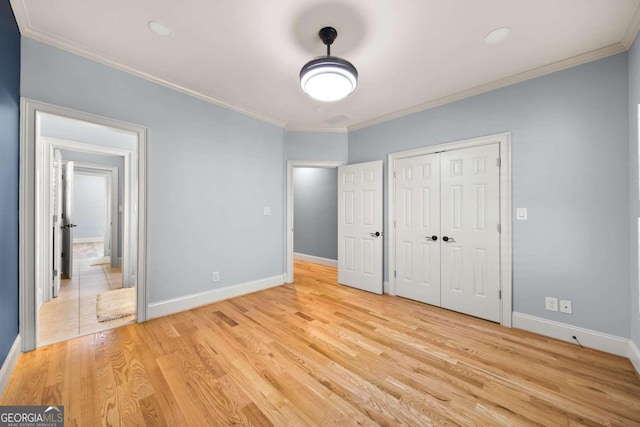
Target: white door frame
[(288, 230), (112, 193), (32, 210), (50, 144), (504, 140)]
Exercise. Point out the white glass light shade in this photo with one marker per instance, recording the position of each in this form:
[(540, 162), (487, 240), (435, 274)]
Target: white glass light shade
[(328, 78)]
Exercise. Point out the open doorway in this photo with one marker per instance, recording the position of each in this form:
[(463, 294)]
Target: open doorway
[(87, 242), (311, 214), (106, 159)]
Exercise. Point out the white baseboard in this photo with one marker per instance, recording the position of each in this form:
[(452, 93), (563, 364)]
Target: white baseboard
[(316, 259), (187, 302), (588, 338), (9, 364), (88, 239), (634, 356)]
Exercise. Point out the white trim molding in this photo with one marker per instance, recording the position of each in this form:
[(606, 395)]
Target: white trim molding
[(27, 30), (574, 61), (587, 337), (634, 355), (9, 363), (318, 260), (32, 156), (504, 141), (111, 238), (289, 200), (632, 30), (188, 302)]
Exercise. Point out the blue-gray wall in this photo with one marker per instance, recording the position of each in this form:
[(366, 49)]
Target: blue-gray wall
[(318, 146), (211, 172), (570, 169), (570, 148), (316, 212), (89, 206), (634, 200), (315, 146), (9, 176)]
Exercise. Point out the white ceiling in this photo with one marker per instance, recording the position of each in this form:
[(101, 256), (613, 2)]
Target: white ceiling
[(410, 54)]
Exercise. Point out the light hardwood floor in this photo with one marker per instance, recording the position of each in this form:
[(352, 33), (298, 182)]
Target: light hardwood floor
[(73, 312), (317, 353)]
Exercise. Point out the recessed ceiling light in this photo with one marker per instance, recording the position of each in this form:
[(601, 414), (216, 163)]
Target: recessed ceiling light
[(160, 29), (498, 35)]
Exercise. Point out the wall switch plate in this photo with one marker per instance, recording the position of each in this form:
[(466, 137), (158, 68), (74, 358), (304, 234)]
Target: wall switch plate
[(551, 304), (266, 210), (521, 214), (565, 306), (216, 276)]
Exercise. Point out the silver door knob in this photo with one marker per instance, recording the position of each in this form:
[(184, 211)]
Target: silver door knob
[(376, 234), (432, 238), (448, 239)]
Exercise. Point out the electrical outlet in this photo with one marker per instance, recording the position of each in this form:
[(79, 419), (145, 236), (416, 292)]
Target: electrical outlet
[(551, 303), (216, 276), (565, 306)]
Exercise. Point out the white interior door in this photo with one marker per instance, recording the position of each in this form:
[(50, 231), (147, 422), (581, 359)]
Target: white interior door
[(67, 219), (470, 199), (56, 221), (360, 226), (417, 237)]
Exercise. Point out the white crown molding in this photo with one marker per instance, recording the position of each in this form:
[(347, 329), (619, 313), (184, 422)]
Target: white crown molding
[(632, 30), (27, 30), (497, 84), (19, 10), (314, 129), (22, 17)]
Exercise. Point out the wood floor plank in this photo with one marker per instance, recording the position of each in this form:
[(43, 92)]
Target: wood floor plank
[(318, 353)]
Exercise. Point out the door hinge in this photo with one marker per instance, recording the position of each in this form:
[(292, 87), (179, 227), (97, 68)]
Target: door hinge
[(499, 161), (394, 273), (55, 218), (499, 294), (394, 223), (55, 273), (394, 174), (499, 228)]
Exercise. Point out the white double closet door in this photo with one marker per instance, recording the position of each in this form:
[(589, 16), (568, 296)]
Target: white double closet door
[(447, 214)]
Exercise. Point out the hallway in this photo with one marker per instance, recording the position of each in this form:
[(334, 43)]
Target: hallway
[(73, 312)]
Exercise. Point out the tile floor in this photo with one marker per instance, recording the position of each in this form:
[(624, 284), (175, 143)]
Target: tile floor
[(73, 312)]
